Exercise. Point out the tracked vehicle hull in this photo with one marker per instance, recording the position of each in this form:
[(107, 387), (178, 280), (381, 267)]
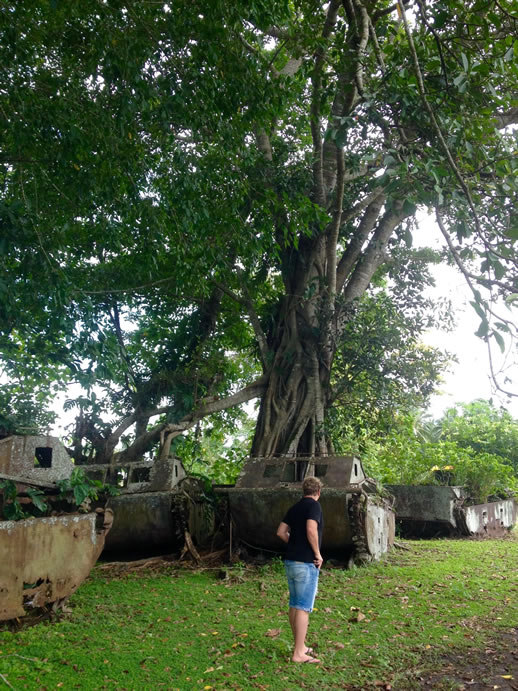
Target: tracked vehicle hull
[(429, 511), (45, 560), (358, 523)]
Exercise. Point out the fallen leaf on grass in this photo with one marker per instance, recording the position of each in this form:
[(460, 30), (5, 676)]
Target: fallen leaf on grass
[(507, 676), (339, 645), (359, 617), (272, 633)]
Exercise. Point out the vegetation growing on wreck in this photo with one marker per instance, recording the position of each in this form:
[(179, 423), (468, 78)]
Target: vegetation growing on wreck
[(73, 494)]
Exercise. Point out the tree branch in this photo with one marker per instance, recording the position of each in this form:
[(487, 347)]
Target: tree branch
[(354, 248), (316, 82), (247, 303), (433, 119), (374, 255)]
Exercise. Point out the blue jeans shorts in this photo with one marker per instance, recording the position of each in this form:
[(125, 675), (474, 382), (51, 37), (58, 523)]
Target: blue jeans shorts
[(302, 583)]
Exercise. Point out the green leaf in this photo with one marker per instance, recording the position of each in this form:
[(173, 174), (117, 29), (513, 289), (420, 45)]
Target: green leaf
[(38, 499), (499, 339), (478, 309), (483, 329)]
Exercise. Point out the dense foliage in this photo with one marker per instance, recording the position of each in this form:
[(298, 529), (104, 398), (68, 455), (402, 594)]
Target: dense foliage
[(460, 448), (199, 199)]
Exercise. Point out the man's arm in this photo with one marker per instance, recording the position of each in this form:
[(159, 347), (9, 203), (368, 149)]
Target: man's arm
[(283, 531), (312, 535)]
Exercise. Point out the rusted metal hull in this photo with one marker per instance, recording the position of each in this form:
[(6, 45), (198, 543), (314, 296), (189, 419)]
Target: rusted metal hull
[(488, 520), (44, 560), (353, 522), (154, 521), (426, 511)]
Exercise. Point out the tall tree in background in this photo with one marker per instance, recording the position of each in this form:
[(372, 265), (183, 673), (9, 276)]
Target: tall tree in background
[(186, 181)]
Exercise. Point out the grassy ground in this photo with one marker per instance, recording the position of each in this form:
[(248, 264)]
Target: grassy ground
[(172, 628)]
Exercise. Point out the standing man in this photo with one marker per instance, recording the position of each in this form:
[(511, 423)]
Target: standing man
[(301, 530)]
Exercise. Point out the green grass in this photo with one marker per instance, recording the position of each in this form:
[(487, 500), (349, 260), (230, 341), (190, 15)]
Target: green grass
[(177, 629)]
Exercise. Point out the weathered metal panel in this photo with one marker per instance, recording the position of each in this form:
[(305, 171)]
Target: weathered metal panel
[(354, 521), (425, 503), (257, 513), (34, 457), (428, 510), (143, 520), (150, 521), (380, 529), (140, 476), (493, 519), (44, 560), (334, 471)]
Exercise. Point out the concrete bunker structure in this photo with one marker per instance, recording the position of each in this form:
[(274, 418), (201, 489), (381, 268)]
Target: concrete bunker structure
[(359, 524)]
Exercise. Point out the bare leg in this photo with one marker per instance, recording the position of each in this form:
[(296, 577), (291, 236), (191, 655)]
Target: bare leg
[(292, 614), (299, 620)]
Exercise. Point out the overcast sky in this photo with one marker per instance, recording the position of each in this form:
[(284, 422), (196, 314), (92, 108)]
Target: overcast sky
[(470, 378)]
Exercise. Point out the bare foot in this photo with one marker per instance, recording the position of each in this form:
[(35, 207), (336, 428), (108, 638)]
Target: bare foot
[(307, 658)]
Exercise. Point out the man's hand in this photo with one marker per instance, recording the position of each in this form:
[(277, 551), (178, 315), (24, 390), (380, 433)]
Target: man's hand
[(312, 535), (283, 531)]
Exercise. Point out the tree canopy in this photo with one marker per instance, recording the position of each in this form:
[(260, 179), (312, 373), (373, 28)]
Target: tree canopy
[(199, 198)]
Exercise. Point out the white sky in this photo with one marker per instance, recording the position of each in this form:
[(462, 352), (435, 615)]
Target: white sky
[(470, 378)]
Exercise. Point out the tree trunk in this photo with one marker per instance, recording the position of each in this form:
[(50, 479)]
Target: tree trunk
[(292, 411)]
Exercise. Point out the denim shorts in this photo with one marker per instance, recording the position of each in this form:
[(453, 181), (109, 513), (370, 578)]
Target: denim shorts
[(302, 583)]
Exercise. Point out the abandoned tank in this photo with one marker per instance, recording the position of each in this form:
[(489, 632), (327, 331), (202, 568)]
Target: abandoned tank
[(157, 504), (43, 560), (359, 524), (433, 510)]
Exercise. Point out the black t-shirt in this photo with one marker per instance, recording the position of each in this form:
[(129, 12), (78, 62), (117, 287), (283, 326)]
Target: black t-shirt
[(299, 548)]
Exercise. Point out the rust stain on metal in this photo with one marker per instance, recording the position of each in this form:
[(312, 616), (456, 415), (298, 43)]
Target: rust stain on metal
[(48, 559), (429, 510)]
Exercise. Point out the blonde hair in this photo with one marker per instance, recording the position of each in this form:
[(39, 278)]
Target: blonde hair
[(311, 485)]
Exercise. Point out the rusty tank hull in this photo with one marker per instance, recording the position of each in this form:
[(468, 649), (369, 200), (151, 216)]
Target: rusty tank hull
[(149, 522), (358, 523), (44, 560), (428, 511)]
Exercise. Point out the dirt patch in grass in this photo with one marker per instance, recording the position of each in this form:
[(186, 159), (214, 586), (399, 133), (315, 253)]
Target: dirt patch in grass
[(494, 667)]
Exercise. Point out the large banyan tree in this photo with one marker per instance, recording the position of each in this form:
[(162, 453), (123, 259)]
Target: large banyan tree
[(187, 181)]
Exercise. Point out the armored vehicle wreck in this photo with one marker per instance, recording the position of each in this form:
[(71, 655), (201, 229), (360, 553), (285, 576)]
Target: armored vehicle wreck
[(43, 560), (359, 524), (157, 504), (48, 559), (431, 510)]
